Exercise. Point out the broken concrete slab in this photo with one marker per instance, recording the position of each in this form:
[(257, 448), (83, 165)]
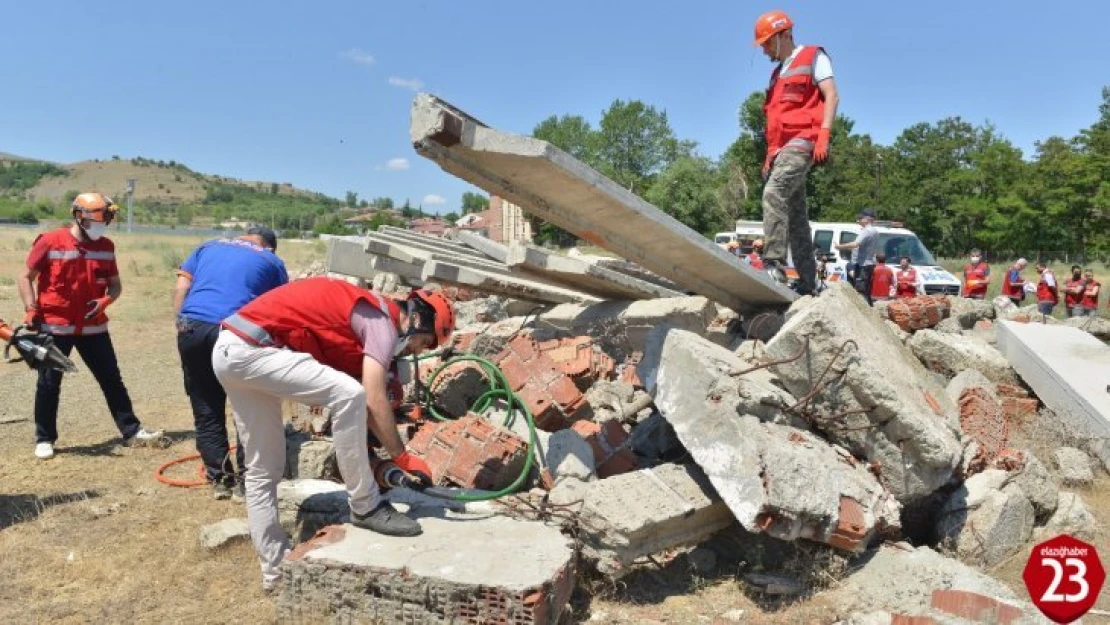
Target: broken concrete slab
[(1072, 517), (567, 455), (890, 410), (1066, 368), (455, 570), (949, 354), (228, 531), (350, 259), (987, 519), (1074, 466), (581, 275), (633, 515), (949, 326), (489, 309), (556, 187), (306, 506), (490, 248), (510, 286), (1098, 327), (309, 457), (436, 243), (967, 312), (919, 574), (621, 328), (1030, 474), (404, 252), (776, 479)]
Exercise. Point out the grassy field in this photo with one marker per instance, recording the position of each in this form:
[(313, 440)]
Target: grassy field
[(91, 537)]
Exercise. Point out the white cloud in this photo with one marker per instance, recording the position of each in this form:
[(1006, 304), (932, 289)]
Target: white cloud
[(357, 55), (406, 83), (397, 164), (434, 200)]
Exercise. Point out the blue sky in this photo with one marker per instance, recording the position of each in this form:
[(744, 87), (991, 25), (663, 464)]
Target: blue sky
[(318, 93)]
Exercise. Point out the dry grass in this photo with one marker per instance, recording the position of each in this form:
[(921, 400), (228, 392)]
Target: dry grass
[(90, 536)]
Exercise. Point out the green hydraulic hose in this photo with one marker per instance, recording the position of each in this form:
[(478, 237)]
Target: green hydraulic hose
[(499, 389)]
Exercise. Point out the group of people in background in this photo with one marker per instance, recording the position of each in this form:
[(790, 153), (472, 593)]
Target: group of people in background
[(1081, 291)]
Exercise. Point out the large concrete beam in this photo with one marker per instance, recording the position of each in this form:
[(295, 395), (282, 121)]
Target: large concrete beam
[(509, 286), (412, 255), (1068, 370), (350, 259), (489, 247), (429, 247), (439, 242), (553, 185), (582, 275)]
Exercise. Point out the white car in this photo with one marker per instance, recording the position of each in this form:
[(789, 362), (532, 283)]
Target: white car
[(894, 241)]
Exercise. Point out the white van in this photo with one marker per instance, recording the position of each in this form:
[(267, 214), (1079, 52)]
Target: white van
[(894, 241)]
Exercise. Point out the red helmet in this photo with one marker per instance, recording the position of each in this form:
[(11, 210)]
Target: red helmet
[(770, 23), (444, 313), (94, 207)]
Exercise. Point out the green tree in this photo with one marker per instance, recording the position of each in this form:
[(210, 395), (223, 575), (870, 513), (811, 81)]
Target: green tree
[(571, 134), (352, 199), (687, 191), (451, 217), (382, 203), (184, 215), (474, 202), (635, 143)]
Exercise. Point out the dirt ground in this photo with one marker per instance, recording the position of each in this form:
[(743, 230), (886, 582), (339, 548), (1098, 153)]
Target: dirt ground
[(91, 536)]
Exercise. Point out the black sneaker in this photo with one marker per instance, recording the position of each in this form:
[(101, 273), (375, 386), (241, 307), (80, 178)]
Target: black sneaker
[(385, 519), (221, 491), (238, 492)]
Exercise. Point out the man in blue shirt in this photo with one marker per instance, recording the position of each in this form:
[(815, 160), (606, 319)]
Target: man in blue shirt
[(217, 279)]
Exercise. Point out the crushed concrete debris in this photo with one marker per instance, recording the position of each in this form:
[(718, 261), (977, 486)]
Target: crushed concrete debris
[(987, 519), (610, 444), (968, 312), (950, 354), (566, 454), (1098, 327), (1030, 474), (867, 392), (1071, 517), (228, 531), (308, 457), (1074, 466)]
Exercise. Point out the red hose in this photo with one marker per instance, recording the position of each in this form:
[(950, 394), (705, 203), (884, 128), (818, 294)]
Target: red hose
[(159, 474)]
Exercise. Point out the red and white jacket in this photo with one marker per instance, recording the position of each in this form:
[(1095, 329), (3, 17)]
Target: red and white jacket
[(71, 273)]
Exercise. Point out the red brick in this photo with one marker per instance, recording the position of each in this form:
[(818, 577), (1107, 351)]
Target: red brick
[(552, 397), (470, 453), (464, 340), (851, 526), (906, 619), (974, 607), (918, 313), (984, 324), (981, 419), (1018, 410), (609, 442)]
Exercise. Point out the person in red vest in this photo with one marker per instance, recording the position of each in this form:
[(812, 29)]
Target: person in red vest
[(800, 108), (1089, 303), (1073, 292), (754, 258), (906, 281), (977, 276), (1013, 285), (882, 280), (1047, 290), (69, 280), (323, 342)]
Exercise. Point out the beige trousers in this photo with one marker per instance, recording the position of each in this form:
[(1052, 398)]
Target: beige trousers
[(256, 380)]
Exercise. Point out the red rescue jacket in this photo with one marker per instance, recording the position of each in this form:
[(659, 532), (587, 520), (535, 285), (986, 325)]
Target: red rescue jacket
[(1011, 290), (907, 283), (976, 279), (1048, 294), (311, 316), (794, 105), (71, 274), (882, 279), (1072, 300), (1090, 296), (755, 261)]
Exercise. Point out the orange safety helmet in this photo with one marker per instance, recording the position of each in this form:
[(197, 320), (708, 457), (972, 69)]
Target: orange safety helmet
[(444, 313), (94, 207), (770, 23)]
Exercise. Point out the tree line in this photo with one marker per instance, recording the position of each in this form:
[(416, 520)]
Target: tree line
[(958, 185)]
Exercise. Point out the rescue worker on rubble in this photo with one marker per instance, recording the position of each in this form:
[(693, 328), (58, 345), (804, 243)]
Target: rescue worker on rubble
[(323, 342), (800, 107), (69, 280), (217, 279), (754, 258), (907, 282), (862, 263), (1047, 290), (1089, 303), (977, 276), (882, 280), (1013, 285), (1073, 292)]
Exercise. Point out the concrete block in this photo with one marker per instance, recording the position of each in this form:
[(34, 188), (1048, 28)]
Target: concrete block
[(636, 514), (906, 581), (460, 569), (308, 457), (610, 445), (1066, 368), (581, 275), (488, 247), (1030, 474), (987, 519), (228, 531), (918, 313), (482, 310), (1098, 327), (440, 243), (897, 331), (509, 286), (1074, 466), (554, 186), (967, 312), (906, 422), (457, 387), (775, 478), (306, 506), (621, 328), (949, 326), (949, 354), (567, 455), (1003, 307), (1071, 517), (408, 252), (350, 259), (470, 452)]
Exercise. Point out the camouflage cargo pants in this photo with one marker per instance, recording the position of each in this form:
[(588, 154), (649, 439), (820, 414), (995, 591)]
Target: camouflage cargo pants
[(785, 217)]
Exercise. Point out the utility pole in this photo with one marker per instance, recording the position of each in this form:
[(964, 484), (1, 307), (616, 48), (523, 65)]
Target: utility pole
[(130, 194)]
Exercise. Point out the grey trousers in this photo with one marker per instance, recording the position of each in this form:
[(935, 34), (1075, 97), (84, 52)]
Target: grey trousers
[(785, 217)]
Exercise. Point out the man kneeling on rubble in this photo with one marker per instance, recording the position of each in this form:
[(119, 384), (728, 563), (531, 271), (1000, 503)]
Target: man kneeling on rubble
[(312, 341)]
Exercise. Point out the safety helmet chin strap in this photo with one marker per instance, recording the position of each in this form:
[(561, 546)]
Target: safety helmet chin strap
[(411, 312)]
